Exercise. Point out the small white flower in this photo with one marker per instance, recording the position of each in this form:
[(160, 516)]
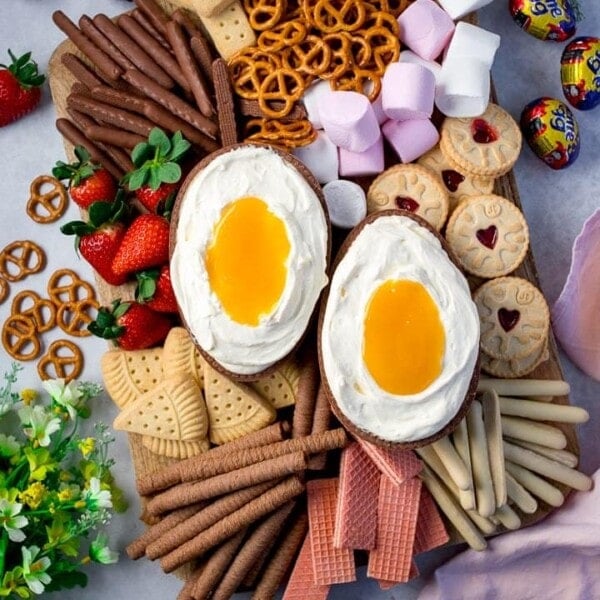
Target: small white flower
[(34, 571), (95, 498), (9, 445), (40, 424), (11, 520), (100, 552), (65, 394)]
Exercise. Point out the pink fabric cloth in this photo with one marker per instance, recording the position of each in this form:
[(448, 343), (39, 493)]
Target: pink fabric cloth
[(576, 313), (557, 559)]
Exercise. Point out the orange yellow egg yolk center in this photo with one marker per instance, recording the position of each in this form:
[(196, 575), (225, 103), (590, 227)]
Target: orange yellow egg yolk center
[(246, 260), (404, 339)]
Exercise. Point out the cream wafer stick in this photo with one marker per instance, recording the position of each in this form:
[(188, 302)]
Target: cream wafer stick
[(154, 12), (171, 474), (200, 520), (536, 485), (482, 477), (449, 506), (189, 493), (137, 548), (520, 496), (231, 524), (508, 517), (304, 409), (547, 467), (256, 545), (453, 462), (493, 435), (461, 443), (524, 387), (540, 411), (562, 456), (144, 22), (533, 431), (216, 565), (80, 70), (281, 561)]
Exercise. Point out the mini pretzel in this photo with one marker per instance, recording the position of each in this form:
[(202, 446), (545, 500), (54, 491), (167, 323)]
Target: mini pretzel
[(282, 36), (285, 85), (384, 45), (311, 56), (340, 46), (46, 206), (359, 80), (19, 337), (394, 7), (331, 16), (289, 135), (62, 360), (379, 18), (264, 14), (65, 286), (248, 69), (21, 258), (4, 289), (41, 310), (74, 317)]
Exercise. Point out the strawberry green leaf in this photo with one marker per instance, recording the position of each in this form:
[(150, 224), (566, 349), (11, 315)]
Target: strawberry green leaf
[(158, 138), (169, 172), (138, 178), (141, 153), (146, 286), (154, 180), (100, 212)]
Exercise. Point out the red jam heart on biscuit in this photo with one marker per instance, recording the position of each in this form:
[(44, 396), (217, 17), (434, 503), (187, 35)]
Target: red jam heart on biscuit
[(508, 318), (452, 179), (406, 203), (483, 132), (488, 237)]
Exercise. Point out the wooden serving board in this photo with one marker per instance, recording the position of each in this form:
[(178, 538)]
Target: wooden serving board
[(61, 79)]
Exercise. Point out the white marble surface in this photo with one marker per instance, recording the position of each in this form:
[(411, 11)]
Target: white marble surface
[(556, 205)]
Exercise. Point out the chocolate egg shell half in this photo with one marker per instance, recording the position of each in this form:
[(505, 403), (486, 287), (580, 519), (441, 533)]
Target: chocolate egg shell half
[(552, 20), (552, 132), (580, 72)]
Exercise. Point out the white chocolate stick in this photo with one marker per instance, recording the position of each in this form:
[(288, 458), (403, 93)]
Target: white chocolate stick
[(540, 411), (452, 510), (508, 517), (536, 485), (533, 431), (493, 434), (524, 387), (547, 467), (539, 398), (453, 462), (480, 462), (520, 496), (461, 443), (562, 456)]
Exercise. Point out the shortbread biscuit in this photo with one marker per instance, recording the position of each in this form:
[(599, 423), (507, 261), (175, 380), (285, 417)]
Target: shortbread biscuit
[(518, 367), (128, 374), (459, 186), (487, 145), (281, 386), (234, 409), (175, 448), (173, 410), (412, 188), (229, 30), (181, 355), (514, 318), (489, 236)]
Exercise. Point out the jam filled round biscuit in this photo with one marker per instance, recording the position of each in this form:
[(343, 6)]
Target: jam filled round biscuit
[(487, 145), (489, 236), (517, 367), (411, 188), (514, 318)]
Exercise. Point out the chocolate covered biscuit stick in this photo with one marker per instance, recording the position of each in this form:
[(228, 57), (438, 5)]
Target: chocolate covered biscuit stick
[(155, 14), (91, 31), (144, 22), (80, 70)]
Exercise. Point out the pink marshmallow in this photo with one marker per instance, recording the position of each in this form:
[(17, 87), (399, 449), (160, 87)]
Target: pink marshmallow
[(349, 120), (425, 28), (377, 105), (368, 162), (411, 139), (408, 90)]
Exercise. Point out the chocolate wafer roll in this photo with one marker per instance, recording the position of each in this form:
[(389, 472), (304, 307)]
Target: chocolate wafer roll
[(171, 474), (160, 54), (78, 138), (236, 521), (256, 545), (186, 591), (144, 22), (185, 530), (171, 102), (304, 409), (188, 493), (110, 114), (102, 61), (280, 563), (216, 565), (155, 14), (93, 33), (138, 56), (80, 70), (321, 422), (225, 104), (186, 61)]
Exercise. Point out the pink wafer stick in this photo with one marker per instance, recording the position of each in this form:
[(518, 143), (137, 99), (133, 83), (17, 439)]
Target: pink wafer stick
[(431, 531), (301, 585), (398, 465)]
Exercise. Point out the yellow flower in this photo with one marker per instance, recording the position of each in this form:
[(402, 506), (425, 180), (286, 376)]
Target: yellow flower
[(28, 396), (64, 495), (33, 495), (65, 476), (86, 446)]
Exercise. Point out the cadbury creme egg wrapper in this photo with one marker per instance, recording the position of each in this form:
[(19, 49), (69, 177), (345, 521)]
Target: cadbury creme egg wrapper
[(552, 20), (552, 132), (580, 72)]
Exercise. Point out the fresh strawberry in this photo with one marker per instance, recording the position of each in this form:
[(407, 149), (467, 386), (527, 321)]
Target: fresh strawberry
[(154, 290), (145, 245), (89, 182), (133, 326), (20, 89), (157, 172), (99, 238)]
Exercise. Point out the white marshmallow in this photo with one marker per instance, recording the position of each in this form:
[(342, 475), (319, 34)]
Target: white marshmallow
[(346, 203), (410, 57), (459, 8), (310, 99), (474, 42), (320, 157)]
